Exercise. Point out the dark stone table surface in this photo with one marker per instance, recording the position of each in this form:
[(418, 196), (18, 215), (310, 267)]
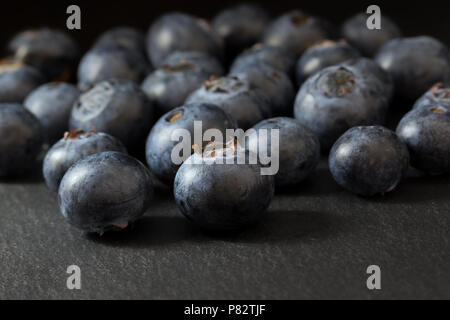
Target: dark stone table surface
[(316, 242)]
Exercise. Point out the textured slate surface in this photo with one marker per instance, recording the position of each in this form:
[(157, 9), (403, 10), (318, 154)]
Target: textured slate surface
[(316, 242)]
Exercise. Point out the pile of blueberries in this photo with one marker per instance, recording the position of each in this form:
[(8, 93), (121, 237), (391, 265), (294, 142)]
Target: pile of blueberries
[(133, 90)]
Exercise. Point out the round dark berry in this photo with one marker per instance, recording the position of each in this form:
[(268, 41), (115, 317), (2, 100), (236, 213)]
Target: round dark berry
[(338, 98), (426, 132), (52, 103), (368, 160), (324, 54), (366, 40), (111, 61), (298, 148), (240, 26), (21, 139), (295, 31), (117, 107), (17, 81), (51, 51), (275, 85), (245, 104), (160, 143), (220, 191), (124, 36), (438, 94), (260, 54), (181, 32), (381, 81), (75, 146), (415, 64), (105, 191), (182, 73)]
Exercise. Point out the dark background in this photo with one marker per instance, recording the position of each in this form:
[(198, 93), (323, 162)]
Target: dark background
[(414, 17), (316, 241)]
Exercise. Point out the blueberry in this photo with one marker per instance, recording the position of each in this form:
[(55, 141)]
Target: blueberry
[(259, 54), (368, 160), (203, 61), (338, 98), (181, 32), (323, 54), (275, 84), (128, 37), (244, 103), (17, 80), (415, 64), (51, 51), (426, 132), (298, 147), (366, 40), (117, 107), (295, 31), (182, 73), (160, 144), (75, 146), (52, 103), (111, 61), (381, 81), (105, 191), (438, 94), (240, 26), (222, 197), (21, 139)]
